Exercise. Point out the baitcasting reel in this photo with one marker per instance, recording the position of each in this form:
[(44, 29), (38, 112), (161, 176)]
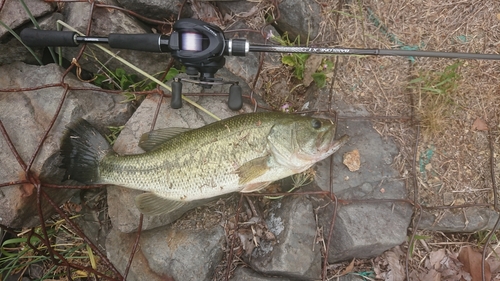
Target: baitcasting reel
[(201, 47)]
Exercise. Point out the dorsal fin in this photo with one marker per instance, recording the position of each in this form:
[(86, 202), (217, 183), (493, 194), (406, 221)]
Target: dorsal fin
[(151, 140)]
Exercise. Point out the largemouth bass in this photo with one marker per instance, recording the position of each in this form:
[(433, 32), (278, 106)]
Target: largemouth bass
[(244, 153)]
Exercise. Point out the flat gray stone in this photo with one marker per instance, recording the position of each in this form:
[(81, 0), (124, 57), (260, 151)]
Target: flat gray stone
[(13, 50), (186, 254), (118, 249), (469, 220), (14, 15), (247, 274), (157, 9), (165, 253), (25, 116), (299, 17), (364, 229), (293, 255)]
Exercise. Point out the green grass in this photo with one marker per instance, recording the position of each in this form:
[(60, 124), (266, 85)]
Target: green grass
[(17, 256)]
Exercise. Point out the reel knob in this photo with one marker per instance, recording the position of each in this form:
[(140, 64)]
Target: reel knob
[(235, 100), (176, 100)]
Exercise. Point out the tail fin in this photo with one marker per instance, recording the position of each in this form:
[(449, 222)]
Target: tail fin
[(82, 148)]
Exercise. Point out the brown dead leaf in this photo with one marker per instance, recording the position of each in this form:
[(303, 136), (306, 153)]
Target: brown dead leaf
[(246, 238), (348, 269), (397, 272), (435, 258), (352, 160), (471, 260), (432, 275), (479, 125)]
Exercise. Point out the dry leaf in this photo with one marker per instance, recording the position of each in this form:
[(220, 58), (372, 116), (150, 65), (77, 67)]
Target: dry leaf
[(436, 257), (348, 269), (432, 275), (479, 125), (397, 272), (471, 260), (352, 160)]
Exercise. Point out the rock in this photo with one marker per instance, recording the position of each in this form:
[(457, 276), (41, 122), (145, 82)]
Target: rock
[(247, 66), (299, 18), (247, 274), (13, 50), (183, 254), (363, 230), (186, 254), (118, 247), (94, 223), (293, 254), (25, 116), (14, 15), (106, 21), (471, 219), (122, 211), (157, 9)]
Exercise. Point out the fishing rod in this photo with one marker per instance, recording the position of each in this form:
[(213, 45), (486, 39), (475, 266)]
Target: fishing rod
[(201, 47)]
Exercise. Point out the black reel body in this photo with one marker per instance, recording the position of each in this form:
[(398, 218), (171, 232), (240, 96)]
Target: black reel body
[(199, 46)]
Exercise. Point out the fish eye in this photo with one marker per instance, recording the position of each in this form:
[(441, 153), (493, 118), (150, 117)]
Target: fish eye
[(316, 124)]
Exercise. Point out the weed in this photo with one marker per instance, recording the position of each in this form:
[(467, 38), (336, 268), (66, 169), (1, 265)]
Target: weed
[(299, 180), (319, 76), (435, 97), (481, 237), (299, 63), (415, 238), (129, 83), (296, 60), (115, 131), (17, 255)]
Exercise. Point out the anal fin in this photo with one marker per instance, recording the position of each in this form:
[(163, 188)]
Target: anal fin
[(151, 204)]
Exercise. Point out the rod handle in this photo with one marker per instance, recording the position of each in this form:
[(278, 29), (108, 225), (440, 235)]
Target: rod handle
[(48, 38), (140, 42)]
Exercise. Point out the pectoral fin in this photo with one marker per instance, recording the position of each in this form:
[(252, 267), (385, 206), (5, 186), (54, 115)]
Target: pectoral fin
[(253, 169), (153, 139), (151, 204)]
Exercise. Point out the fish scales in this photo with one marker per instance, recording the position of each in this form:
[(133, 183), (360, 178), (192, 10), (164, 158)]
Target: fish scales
[(195, 164)]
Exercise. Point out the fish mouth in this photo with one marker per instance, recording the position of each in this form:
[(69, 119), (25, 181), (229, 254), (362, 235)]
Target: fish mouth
[(330, 145), (338, 143)]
